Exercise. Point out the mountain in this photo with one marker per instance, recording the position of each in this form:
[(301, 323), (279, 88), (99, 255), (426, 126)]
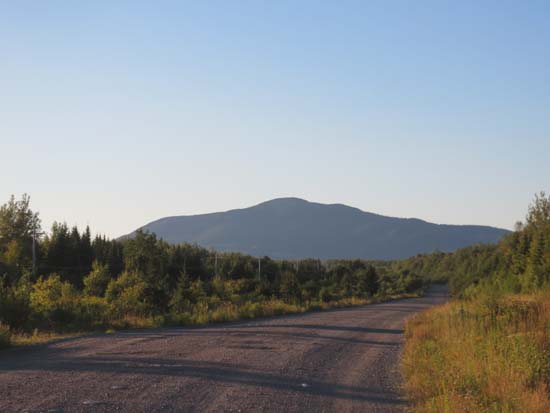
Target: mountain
[(295, 228)]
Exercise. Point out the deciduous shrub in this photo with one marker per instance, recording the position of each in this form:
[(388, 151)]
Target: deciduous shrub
[(54, 302), (96, 282), (127, 295), (5, 336)]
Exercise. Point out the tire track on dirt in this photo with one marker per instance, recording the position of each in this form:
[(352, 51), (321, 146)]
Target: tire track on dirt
[(330, 361)]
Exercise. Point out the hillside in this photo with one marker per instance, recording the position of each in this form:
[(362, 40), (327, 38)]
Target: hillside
[(294, 228)]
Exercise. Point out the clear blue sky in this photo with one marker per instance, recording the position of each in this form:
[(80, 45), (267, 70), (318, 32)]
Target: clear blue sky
[(118, 113)]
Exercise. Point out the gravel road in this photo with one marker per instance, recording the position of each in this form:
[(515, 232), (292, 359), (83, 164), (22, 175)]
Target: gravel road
[(331, 361)]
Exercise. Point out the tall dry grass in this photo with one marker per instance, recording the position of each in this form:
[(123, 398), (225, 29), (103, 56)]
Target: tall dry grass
[(491, 354)]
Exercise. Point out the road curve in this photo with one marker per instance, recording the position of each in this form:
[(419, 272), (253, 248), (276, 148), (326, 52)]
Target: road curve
[(331, 361)]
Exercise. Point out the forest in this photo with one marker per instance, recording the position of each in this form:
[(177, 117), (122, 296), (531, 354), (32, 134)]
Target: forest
[(520, 263), (488, 350), (66, 280)]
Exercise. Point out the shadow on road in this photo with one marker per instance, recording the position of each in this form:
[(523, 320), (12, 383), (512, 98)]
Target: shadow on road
[(323, 344), (327, 327), (221, 372), (260, 332)]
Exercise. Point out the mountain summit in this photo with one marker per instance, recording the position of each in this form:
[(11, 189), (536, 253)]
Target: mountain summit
[(294, 228)]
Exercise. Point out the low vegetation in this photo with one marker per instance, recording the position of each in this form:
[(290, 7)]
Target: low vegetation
[(81, 284), (5, 336), (484, 355), (489, 350)]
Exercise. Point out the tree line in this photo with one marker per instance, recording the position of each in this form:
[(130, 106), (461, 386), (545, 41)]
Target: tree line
[(519, 263), (489, 351), (67, 279)]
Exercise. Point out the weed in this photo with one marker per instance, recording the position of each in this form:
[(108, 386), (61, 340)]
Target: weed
[(485, 355)]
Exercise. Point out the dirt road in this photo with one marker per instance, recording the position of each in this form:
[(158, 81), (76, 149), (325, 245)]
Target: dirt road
[(333, 361)]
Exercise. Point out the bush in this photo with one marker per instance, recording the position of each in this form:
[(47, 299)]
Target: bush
[(92, 312), (15, 308), (413, 283), (5, 336), (325, 295), (127, 295), (251, 310), (96, 282), (487, 355), (54, 302)]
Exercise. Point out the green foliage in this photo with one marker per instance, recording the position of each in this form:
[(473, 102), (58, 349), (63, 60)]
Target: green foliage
[(367, 283), (325, 295), (183, 298), (5, 336), (489, 352), (519, 263), (128, 295), (289, 288), (68, 253), (17, 225), (17, 221), (143, 281), (54, 301), (95, 283), (15, 307)]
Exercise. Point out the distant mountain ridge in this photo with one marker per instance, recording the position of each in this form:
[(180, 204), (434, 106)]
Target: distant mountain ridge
[(294, 228)]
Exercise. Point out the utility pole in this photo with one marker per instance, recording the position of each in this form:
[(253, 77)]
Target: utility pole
[(34, 251), (259, 268)]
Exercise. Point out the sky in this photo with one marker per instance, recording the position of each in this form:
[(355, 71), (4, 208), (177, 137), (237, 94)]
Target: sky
[(114, 114)]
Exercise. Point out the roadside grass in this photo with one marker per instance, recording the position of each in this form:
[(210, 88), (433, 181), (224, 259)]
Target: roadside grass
[(9, 338), (39, 337), (246, 310), (5, 336), (197, 316), (228, 311), (491, 354)]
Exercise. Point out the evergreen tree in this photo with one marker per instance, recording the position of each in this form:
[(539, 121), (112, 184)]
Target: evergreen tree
[(367, 282)]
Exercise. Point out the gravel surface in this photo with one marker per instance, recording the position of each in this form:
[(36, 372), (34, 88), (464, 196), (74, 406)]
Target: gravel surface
[(331, 361)]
